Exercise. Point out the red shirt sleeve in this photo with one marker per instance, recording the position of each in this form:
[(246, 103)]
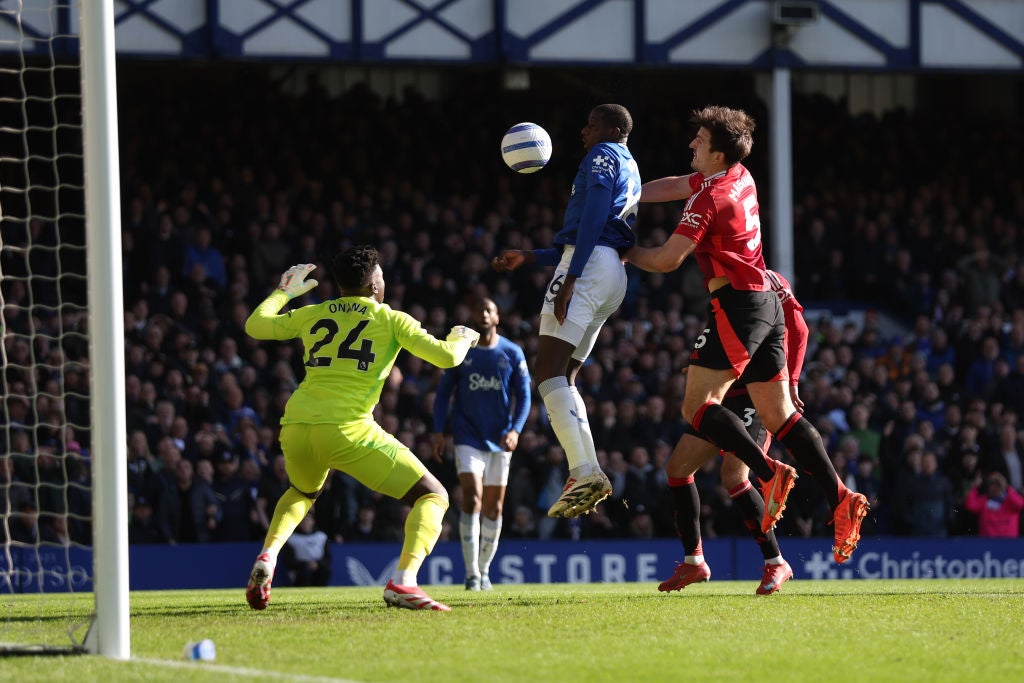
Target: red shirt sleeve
[(695, 180), (796, 338)]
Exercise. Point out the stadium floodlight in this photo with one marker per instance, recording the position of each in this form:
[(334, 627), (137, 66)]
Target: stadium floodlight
[(794, 12), (788, 16)]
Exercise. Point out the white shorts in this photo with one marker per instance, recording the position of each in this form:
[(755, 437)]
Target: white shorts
[(598, 293), (491, 466)]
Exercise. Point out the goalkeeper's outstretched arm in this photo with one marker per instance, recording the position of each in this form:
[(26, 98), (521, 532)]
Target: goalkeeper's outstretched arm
[(444, 354)]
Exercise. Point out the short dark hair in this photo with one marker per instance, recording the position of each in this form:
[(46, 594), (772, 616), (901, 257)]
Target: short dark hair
[(482, 301), (732, 131), (352, 268), (615, 115)]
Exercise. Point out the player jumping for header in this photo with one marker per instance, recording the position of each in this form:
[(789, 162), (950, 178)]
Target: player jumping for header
[(588, 285)]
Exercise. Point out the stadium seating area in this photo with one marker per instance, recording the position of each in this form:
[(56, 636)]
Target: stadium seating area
[(902, 216)]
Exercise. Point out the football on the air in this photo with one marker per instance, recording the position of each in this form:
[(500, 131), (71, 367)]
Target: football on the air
[(526, 147)]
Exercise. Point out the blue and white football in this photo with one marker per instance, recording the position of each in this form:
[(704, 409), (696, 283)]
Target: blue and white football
[(526, 147)]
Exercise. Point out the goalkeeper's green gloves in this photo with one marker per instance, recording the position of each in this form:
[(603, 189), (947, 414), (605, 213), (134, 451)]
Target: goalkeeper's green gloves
[(294, 282), (462, 332)]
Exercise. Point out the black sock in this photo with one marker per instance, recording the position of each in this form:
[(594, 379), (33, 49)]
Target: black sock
[(686, 511), (724, 428), (803, 441), (751, 507)]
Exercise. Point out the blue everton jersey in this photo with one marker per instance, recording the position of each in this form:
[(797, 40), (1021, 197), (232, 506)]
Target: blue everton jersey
[(491, 391), (607, 164)]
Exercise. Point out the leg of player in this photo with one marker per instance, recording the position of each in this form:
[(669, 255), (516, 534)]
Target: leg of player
[(495, 479), (583, 425), (803, 441), (490, 529), (587, 484), (384, 464), (470, 464), (736, 480), (690, 453), (705, 389), (429, 502), (291, 508), (307, 477)]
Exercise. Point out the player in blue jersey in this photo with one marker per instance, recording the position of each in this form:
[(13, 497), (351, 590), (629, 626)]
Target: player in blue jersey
[(491, 391), (588, 285)]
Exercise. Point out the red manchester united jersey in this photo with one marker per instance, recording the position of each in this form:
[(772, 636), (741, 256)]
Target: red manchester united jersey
[(722, 218)]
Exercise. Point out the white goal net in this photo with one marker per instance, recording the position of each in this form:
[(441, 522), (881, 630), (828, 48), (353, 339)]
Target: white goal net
[(47, 434)]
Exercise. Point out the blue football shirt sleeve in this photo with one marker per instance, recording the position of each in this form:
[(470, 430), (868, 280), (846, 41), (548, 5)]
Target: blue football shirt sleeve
[(547, 257), (592, 222), (443, 398), (520, 381)]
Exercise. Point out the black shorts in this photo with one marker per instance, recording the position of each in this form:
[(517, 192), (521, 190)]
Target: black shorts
[(745, 333)]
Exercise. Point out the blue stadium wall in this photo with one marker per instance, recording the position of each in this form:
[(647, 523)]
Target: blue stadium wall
[(227, 565)]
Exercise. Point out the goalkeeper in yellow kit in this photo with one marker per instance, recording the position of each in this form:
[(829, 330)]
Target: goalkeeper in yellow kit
[(350, 345)]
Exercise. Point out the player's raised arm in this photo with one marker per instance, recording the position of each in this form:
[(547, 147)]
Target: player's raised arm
[(265, 322), (667, 189)]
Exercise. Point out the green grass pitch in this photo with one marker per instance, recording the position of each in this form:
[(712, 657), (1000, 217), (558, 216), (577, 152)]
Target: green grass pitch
[(930, 630)]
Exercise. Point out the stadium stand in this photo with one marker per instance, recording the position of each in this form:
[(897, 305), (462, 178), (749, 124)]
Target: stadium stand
[(901, 215)]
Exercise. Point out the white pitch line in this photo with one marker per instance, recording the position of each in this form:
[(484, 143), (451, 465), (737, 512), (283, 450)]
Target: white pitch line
[(242, 671)]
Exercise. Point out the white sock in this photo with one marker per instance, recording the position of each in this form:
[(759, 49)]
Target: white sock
[(469, 534), (490, 530), (775, 560), (695, 560), (562, 412), (586, 436), (404, 577)]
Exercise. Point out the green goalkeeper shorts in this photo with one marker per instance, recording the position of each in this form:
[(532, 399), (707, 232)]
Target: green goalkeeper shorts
[(375, 458)]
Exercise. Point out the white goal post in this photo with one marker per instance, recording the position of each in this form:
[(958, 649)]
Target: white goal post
[(109, 635), (61, 333)]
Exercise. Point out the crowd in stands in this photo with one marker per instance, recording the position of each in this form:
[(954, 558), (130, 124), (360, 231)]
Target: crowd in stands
[(220, 197)]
